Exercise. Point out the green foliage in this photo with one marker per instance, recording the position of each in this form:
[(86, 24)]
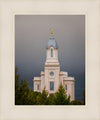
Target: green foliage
[(26, 96), (16, 78), (51, 99), (35, 95), (61, 97), (68, 101), (42, 98), (84, 97), (23, 95), (76, 102)]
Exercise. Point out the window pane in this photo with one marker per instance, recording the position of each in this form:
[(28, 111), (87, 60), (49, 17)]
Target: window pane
[(38, 87), (65, 87), (51, 73), (51, 85), (51, 52)]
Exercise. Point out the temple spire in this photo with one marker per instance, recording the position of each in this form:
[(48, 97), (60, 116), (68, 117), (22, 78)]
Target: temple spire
[(51, 31)]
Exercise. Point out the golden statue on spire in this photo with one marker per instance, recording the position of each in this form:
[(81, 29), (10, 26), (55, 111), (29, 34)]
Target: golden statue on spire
[(51, 31)]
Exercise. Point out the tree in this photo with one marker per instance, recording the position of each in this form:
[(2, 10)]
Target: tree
[(26, 96), (16, 78), (51, 99), (42, 98), (76, 102), (17, 81), (61, 96), (35, 95), (84, 97), (23, 95), (68, 102)]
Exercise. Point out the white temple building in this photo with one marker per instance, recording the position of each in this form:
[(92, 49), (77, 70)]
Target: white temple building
[(52, 77)]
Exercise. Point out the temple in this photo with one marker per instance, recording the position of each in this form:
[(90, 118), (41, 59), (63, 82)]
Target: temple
[(52, 77)]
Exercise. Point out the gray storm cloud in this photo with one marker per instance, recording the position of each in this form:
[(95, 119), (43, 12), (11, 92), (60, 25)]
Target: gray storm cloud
[(32, 33)]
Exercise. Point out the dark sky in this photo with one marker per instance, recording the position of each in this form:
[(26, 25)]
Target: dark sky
[(32, 33)]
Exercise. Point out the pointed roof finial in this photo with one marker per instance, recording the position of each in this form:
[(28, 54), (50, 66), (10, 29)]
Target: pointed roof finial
[(51, 31)]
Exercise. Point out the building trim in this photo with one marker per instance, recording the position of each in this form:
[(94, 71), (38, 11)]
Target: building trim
[(51, 65)]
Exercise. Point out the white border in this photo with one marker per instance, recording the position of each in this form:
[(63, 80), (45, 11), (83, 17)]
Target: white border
[(91, 9)]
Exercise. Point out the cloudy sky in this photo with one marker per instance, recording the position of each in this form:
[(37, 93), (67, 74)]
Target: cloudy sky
[(32, 33)]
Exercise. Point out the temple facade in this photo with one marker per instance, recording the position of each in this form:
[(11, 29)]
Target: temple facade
[(52, 77)]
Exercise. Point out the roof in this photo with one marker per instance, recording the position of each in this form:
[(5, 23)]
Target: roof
[(52, 42)]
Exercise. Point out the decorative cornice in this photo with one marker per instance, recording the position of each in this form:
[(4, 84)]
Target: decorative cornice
[(36, 80), (51, 65), (69, 80)]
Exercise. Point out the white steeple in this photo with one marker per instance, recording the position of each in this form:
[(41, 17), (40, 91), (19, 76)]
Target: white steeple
[(52, 51)]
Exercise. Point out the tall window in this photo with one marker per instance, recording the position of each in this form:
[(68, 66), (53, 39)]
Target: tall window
[(65, 87), (66, 95), (51, 52), (38, 87), (51, 85)]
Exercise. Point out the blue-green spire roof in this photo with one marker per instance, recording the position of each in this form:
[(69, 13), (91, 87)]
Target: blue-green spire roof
[(52, 42)]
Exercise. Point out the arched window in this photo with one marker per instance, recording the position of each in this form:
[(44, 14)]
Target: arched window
[(51, 52), (38, 87), (51, 85), (65, 87)]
